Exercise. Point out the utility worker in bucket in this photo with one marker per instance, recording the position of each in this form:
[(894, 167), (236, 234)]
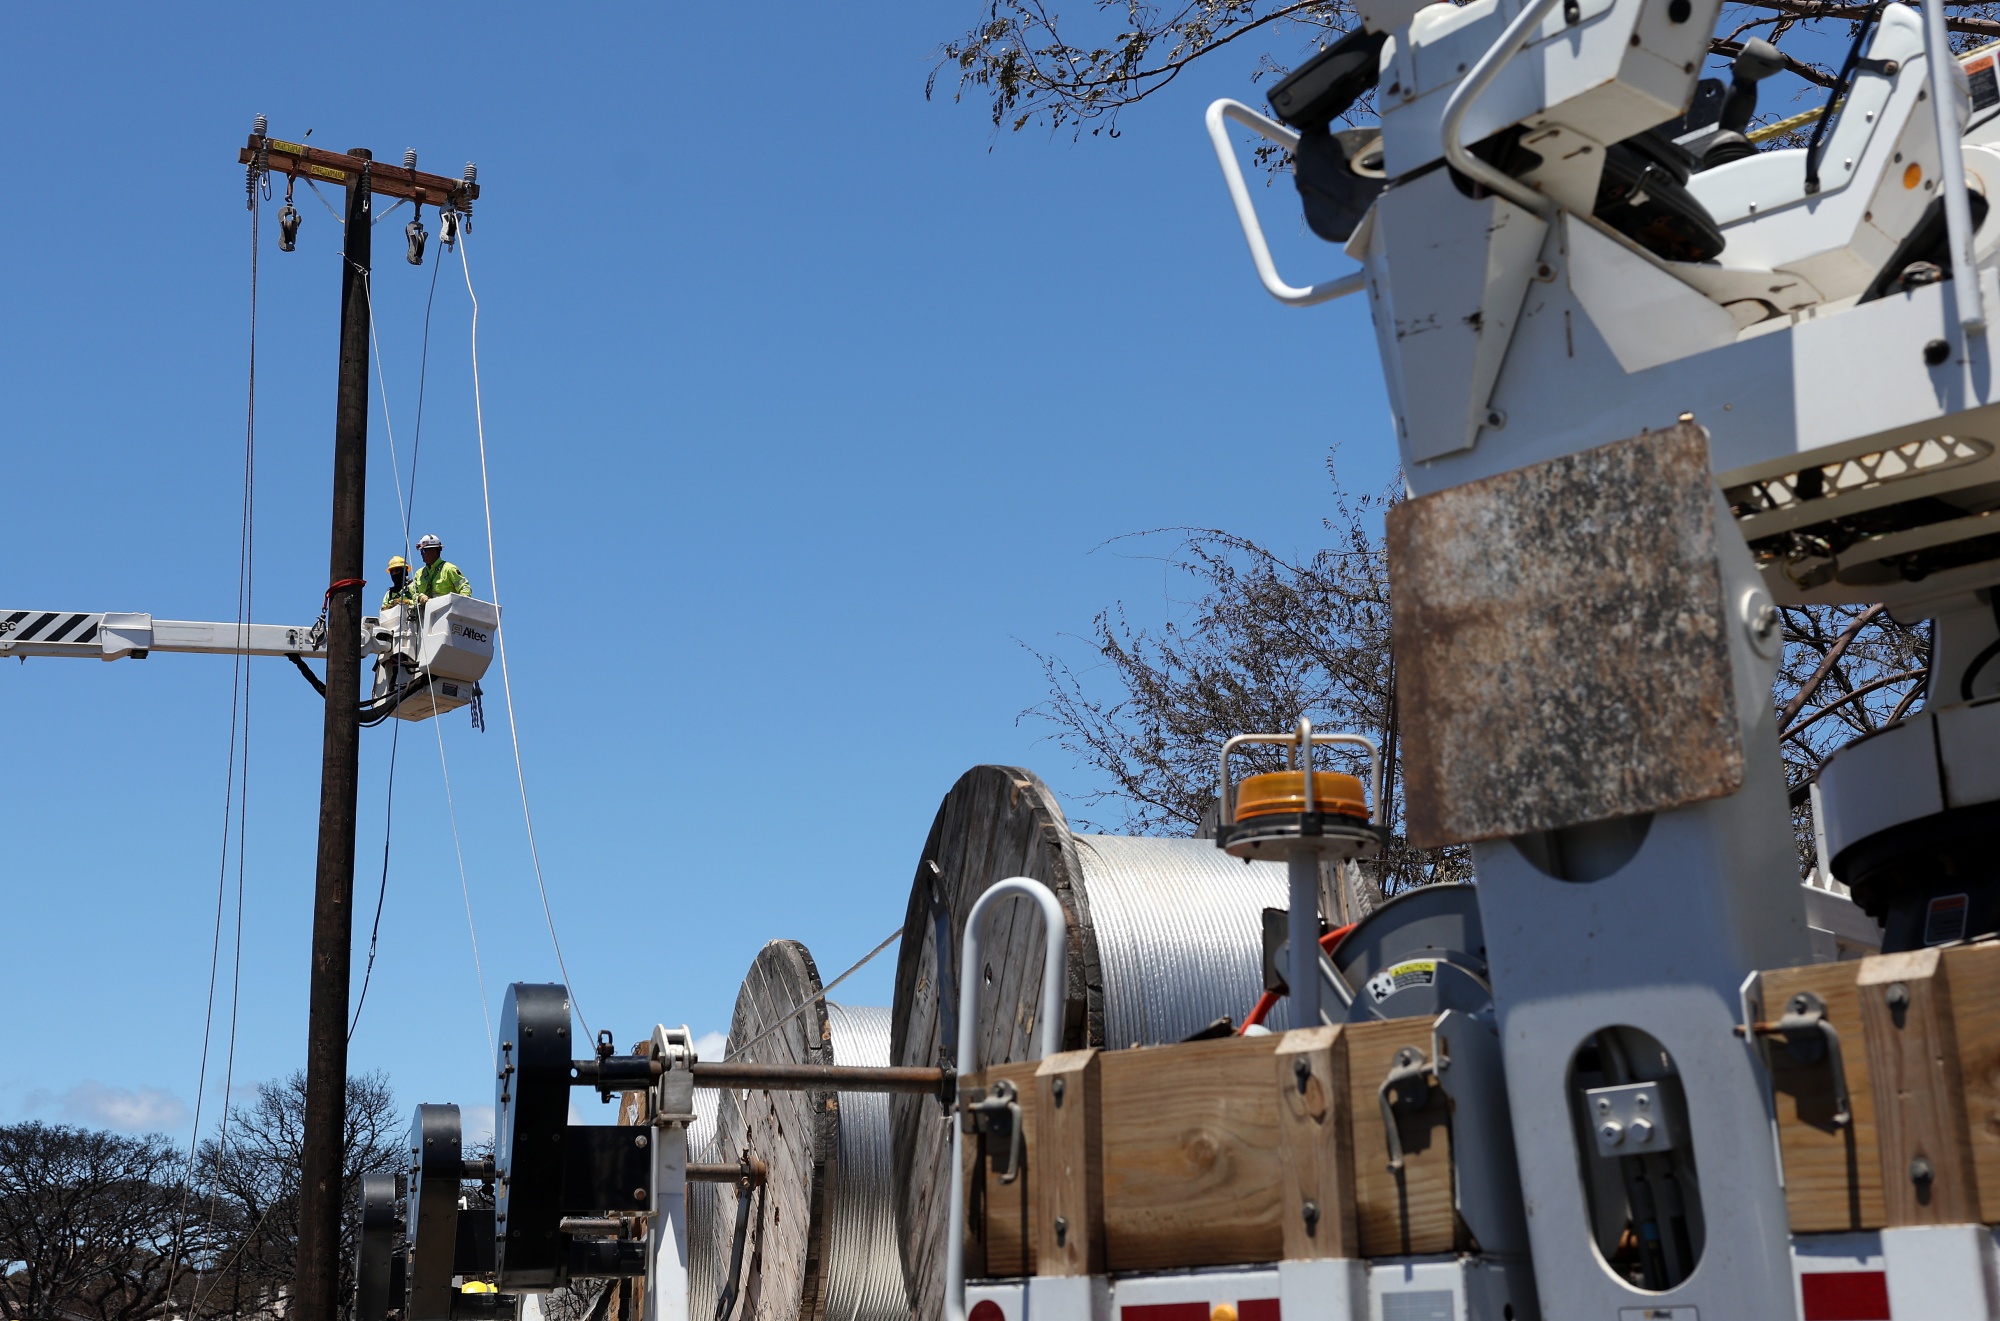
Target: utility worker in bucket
[(400, 591), (439, 576)]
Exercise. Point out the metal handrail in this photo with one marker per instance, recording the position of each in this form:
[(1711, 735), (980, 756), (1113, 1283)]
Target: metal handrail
[(1048, 1039), (1496, 58), (1246, 212), (1939, 62)]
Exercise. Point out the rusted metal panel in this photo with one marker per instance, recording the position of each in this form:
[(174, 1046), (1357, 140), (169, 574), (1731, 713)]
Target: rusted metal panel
[(1560, 645)]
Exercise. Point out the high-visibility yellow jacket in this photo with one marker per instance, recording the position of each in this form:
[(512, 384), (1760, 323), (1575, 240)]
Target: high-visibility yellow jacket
[(404, 595), (440, 578)]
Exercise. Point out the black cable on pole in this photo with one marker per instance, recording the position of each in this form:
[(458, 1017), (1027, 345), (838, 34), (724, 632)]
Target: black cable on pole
[(382, 890)]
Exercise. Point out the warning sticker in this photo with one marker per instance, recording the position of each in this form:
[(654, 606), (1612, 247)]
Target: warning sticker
[(1413, 972), (1985, 86), (1944, 920)]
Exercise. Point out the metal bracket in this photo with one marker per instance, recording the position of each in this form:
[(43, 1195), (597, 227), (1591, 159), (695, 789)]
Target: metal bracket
[(1810, 1037), (1407, 1089), (994, 1114)]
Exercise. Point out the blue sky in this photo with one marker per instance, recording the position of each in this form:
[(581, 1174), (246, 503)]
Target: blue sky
[(810, 407)]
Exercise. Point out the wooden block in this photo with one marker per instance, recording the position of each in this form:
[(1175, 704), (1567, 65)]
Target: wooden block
[(1315, 1145), (999, 1238), (1975, 1001), (1833, 1175), (1411, 1212), (1069, 1166), (1920, 1112), (1191, 1155)]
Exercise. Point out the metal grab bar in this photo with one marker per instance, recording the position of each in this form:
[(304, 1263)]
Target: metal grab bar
[(1246, 213), (1939, 64), (1485, 71), (1055, 928)]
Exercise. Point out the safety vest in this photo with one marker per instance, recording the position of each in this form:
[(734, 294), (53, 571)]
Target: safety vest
[(440, 578), (404, 595)]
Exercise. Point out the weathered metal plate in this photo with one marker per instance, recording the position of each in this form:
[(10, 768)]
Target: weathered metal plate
[(1560, 645)]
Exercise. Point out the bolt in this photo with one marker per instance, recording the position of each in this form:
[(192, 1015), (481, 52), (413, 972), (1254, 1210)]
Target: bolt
[(1897, 996), (1311, 1212), (1057, 1088), (1062, 1230), (638, 1194), (1642, 1132), (1936, 352), (1921, 1172), (1302, 1071), (1611, 1133), (639, 1141)]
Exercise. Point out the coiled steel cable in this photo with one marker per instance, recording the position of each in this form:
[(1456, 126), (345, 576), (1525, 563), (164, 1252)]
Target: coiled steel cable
[(708, 1242), (865, 1272), (1179, 934)]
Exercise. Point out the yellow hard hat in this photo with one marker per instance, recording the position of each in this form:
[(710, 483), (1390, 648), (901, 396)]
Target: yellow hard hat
[(398, 562)]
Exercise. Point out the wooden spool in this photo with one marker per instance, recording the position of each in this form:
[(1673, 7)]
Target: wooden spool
[(795, 1133), (821, 1240), (1001, 821)]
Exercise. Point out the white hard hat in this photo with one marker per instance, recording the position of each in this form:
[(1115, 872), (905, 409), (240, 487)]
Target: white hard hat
[(430, 542)]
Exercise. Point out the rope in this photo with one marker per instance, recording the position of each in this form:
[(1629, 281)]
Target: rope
[(799, 1008), (500, 638), (451, 810)]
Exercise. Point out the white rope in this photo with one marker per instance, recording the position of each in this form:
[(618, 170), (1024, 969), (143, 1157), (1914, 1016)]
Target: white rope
[(506, 687), (382, 388), (465, 889)]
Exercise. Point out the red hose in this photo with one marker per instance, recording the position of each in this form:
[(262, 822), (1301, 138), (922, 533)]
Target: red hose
[(1268, 1001), (1256, 1016)]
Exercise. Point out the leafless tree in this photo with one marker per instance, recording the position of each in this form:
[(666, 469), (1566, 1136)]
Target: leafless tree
[(1264, 638), (88, 1224), (1081, 67), (1847, 671), (250, 1190)]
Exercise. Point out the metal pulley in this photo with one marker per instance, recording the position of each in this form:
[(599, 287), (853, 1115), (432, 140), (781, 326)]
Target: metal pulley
[(288, 227), (415, 236)]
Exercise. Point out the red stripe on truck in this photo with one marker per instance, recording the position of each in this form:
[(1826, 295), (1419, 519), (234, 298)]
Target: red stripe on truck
[(1845, 1295)]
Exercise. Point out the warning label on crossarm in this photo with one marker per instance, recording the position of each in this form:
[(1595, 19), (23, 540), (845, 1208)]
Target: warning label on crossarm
[(1413, 972)]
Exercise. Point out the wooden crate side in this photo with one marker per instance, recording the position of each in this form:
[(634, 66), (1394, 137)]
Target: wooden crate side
[(1069, 1166), (1975, 1003), (999, 1223), (1411, 1212), (1906, 1002), (1833, 1175), (1191, 1163), (1316, 1145)]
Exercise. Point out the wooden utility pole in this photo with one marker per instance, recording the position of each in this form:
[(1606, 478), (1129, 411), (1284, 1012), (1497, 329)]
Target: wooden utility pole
[(317, 1280)]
